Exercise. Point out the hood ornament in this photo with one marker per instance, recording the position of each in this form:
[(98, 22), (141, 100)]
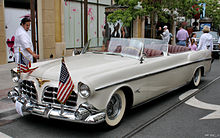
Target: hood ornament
[(41, 81)]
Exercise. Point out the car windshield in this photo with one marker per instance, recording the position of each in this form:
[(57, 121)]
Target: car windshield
[(116, 46), (155, 44), (134, 47)]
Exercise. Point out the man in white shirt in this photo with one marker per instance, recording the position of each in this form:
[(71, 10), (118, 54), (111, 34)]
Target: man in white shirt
[(206, 41), (166, 34), (23, 41)]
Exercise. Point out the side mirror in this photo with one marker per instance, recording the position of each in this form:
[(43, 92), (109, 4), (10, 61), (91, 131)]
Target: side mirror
[(76, 52), (73, 54), (85, 47), (142, 59)]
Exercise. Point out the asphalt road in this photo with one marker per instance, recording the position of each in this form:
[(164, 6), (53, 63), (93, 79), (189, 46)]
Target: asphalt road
[(190, 119)]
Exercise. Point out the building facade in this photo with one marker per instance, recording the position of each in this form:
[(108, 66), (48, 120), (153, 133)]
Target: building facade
[(3, 51), (58, 26)]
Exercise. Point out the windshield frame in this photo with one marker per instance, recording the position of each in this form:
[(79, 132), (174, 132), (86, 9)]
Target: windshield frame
[(116, 46), (125, 47)]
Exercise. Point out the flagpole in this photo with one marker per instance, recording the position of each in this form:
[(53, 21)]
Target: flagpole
[(65, 87), (19, 62), (63, 55), (19, 76), (62, 109)]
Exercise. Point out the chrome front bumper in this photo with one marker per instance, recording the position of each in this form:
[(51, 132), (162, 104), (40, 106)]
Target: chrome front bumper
[(85, 113)]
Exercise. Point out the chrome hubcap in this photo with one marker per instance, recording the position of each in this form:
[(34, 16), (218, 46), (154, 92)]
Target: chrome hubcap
[(114, 106), (196, 77)]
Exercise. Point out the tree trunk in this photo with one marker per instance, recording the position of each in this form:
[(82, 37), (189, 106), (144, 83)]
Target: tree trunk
[(173, 31), (153, 25)]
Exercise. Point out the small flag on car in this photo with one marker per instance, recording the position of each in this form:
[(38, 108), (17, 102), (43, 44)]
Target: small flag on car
[(24, 63), (31, 70), (66, 85)]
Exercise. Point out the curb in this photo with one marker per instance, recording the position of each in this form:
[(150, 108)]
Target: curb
[(4, 93)]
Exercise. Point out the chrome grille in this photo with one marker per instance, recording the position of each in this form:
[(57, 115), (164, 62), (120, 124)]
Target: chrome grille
[(28, 88), (50, 97)]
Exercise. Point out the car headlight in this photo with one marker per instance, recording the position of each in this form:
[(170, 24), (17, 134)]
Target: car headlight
[(15, 76), (84, 90)]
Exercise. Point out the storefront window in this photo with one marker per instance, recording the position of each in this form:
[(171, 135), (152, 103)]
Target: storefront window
[(74, 21)]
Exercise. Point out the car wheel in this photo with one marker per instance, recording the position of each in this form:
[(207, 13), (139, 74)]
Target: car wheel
[(115, 108), (196, 78)]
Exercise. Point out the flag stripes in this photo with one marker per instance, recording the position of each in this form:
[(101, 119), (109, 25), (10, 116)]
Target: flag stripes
[(66, 85), (65, 95), (22, 68)]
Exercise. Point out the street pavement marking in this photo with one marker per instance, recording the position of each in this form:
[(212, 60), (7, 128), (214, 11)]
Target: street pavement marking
[(2, 135), (202, 105)]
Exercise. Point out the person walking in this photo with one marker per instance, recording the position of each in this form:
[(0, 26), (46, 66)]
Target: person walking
[(166, 34), (159, 32), (206, 40), (193, 45), (116, 31), (23, 41), (193, 36), (182, 36)]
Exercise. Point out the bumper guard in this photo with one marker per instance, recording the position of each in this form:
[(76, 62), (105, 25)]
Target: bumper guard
[(85, 113)]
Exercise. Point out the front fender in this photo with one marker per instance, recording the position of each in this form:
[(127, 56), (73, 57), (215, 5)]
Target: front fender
[(101, 98)]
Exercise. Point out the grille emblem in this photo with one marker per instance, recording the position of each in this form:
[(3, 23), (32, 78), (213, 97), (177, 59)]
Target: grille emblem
[(41, 81)]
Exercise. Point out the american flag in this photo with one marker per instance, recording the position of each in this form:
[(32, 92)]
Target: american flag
[(66, 85), (24, 64)]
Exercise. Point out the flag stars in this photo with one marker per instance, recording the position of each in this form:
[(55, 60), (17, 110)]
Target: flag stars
[(64, 73)]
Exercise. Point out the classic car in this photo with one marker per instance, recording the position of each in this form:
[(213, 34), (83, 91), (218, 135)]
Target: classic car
[(109, 79)]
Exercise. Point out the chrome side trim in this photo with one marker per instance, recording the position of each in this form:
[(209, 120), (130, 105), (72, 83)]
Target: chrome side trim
[(150, 74)]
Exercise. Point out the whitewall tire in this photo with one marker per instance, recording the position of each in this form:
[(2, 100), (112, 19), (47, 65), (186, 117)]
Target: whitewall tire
[(115, 108), (196, 78)]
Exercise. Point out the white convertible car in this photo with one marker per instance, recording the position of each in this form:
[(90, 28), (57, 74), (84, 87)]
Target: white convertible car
[(109, 79)]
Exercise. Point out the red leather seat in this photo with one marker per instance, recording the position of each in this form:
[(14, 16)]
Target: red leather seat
[(177, 49), (152, 52)]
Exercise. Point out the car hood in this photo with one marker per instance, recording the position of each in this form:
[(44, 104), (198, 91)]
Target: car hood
[(83, 67)]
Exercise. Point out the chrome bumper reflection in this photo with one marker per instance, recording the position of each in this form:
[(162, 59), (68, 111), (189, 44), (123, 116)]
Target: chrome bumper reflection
[(85, 113)]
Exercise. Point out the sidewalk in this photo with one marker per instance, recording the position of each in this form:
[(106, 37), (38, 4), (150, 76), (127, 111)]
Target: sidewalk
[(5, 79), (6, 85)]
